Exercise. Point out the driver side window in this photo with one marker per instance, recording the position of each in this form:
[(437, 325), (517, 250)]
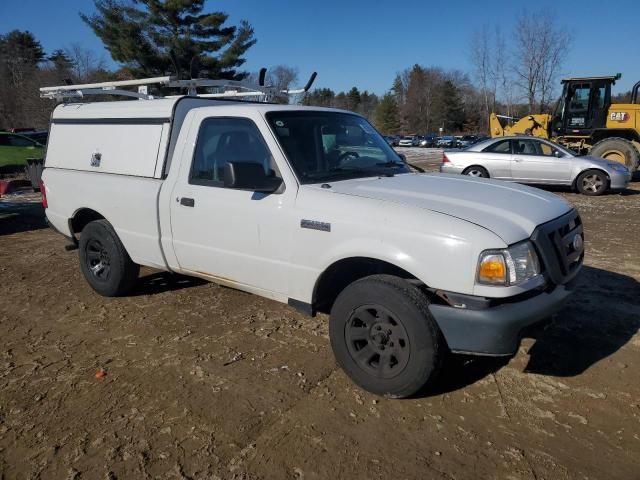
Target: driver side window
[(223, 140)]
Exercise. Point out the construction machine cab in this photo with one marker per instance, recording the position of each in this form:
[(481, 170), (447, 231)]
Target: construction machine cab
[(583, 106)]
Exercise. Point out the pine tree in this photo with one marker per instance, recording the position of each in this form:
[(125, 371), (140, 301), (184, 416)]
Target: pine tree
[(368, 104), (20, 77), (453, 108), (61, 61), (341, 101), (320, 97), (353, 99), (18, 47), (387, 117), (157, 37)]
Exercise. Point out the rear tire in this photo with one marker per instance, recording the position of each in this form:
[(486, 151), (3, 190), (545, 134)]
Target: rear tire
[(617, 150), (384, 337), (476, 171), (105, 263), (592, 183)]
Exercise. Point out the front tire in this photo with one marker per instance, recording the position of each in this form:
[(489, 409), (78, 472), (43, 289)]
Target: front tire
[(104, 262), (384, 337), (592, 183)]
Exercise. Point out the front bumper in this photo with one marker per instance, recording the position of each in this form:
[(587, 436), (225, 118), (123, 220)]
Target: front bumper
[(497, 330), (619, 180)]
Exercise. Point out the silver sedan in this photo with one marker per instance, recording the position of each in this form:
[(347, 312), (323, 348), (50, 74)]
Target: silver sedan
[(533, 160)]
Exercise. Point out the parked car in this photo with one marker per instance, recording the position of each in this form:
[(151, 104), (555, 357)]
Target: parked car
[(427, 141), (466, 141), (313, 208), (39, 136), (392, 140), (534, 160), (445, 141), (409, 141), (15, 149)]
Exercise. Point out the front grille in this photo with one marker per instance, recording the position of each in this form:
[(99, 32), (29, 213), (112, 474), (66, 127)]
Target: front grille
[(560, 245)]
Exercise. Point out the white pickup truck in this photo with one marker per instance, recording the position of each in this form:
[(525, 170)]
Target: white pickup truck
[(311, 206)]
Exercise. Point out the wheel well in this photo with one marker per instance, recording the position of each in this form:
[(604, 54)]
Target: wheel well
[(346, 271), (82, 218)]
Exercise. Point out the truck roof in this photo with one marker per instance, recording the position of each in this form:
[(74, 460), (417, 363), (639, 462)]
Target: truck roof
[(161, 109)]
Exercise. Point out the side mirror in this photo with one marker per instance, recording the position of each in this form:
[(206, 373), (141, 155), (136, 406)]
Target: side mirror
[(250, 176), (403, 157), (557, 154)]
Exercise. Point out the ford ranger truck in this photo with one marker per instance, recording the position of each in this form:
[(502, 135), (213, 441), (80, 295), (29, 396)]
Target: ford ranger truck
[(311, 207)]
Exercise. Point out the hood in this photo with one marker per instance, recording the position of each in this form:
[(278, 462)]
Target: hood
[(602, 162), (509, 210)]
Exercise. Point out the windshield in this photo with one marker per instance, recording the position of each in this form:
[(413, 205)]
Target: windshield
[(326, 146)]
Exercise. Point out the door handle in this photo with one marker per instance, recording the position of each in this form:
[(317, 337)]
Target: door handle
[(187, 202), (517, 160)]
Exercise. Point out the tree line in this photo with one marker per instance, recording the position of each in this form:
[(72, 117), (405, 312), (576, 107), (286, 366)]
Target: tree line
[(515, 78), (25, 67)]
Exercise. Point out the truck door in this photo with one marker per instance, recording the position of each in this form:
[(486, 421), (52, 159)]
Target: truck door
[(231, 235)]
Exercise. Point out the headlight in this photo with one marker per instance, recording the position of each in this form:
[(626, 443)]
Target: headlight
[(510, 266), (619, 167)]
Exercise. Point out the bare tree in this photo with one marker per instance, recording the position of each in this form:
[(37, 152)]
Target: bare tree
[(502, 72), (282, 76), (86, 66), (541, 46), (484, 60)]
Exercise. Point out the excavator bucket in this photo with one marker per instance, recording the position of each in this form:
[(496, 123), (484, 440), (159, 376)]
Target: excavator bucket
[(536, 125)]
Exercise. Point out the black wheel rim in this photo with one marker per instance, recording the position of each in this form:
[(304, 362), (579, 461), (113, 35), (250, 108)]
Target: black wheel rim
[(377, 341), (97, 260)]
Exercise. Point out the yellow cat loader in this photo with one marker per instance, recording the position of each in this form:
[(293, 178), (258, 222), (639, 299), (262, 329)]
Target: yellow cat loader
[(586, 121)]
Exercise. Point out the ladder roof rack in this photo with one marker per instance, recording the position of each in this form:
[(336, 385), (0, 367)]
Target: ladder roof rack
[(225, 88)]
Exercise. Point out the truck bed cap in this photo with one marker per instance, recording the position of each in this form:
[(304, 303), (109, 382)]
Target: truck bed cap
[(161, 109)]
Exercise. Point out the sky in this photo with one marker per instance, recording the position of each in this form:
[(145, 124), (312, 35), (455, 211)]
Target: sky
[(366, 43)]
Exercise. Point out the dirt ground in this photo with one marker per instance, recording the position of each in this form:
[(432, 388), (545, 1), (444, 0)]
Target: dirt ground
[(205, 382)]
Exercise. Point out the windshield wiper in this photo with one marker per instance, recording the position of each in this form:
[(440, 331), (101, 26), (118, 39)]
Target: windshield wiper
[(339, 172), (391, 163), (363, 171)]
